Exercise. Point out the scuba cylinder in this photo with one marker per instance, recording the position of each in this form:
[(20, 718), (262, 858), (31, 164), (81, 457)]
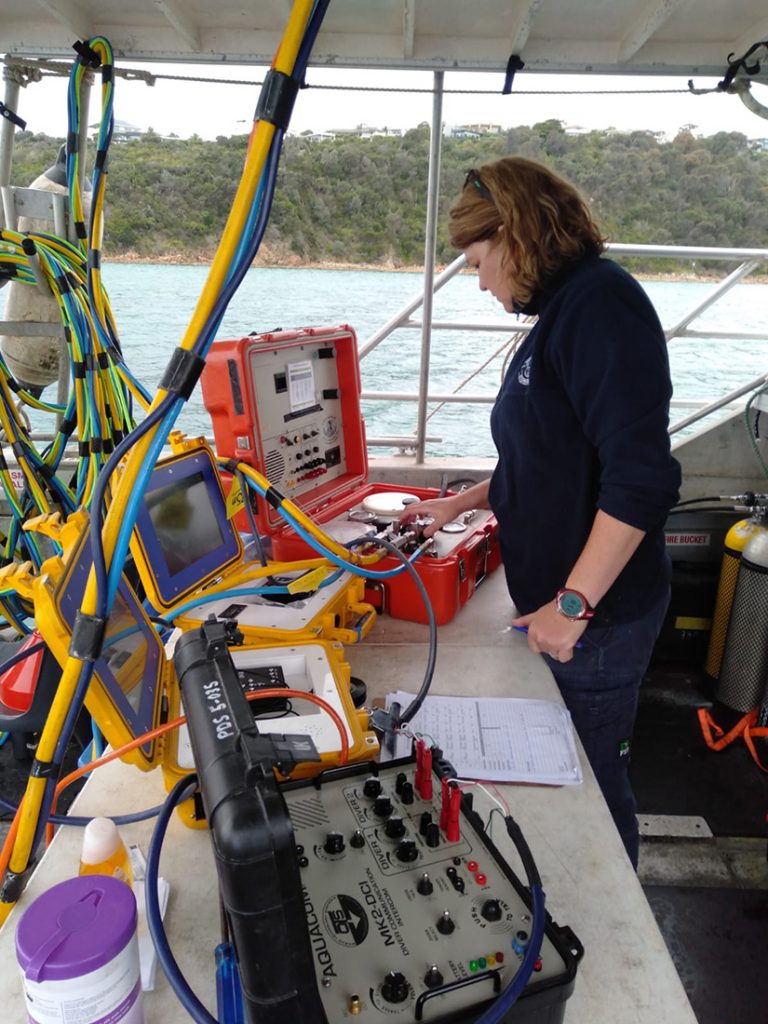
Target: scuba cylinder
[(736, 540), (34, 361), (744, 670)]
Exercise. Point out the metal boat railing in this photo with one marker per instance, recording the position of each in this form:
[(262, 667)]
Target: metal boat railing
[(747, 261)]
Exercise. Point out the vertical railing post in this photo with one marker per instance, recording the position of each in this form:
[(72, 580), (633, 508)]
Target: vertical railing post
[(7, 129), (430, 248)]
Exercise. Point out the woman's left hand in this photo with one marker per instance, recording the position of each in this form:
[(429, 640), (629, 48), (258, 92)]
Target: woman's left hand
[(550, 632)]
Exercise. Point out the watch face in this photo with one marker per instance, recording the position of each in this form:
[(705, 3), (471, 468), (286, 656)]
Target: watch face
[(571, 604)]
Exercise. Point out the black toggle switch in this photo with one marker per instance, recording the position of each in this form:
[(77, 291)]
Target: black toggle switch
[(445, 925), (424, 885), (433, 978)]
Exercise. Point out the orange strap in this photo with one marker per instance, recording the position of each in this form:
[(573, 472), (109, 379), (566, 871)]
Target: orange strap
[(744, 727)]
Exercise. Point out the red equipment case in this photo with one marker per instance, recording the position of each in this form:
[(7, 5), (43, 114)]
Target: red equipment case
[(288, 404)]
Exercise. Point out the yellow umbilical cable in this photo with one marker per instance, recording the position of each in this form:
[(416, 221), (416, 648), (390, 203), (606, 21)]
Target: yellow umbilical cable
[(308, 524), (284, 62)]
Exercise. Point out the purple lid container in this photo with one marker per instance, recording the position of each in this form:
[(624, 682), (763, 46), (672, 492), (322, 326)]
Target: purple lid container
[(75, 927)]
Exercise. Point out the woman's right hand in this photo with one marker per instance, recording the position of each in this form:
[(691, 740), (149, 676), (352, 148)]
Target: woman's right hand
[(441, 510)]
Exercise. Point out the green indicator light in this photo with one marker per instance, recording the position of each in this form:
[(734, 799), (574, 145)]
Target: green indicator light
[(473, 965), (482, 962)]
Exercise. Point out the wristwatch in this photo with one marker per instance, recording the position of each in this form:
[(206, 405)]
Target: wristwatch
[(573, 605)]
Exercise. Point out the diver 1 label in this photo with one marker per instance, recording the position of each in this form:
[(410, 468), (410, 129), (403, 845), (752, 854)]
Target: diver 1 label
[(345, 920)]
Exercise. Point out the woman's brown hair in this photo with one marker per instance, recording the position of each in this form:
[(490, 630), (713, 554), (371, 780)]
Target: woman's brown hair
[(546, 221)]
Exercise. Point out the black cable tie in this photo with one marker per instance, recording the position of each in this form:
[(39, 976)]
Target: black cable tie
[(29, 247), (107, 73), (107, 446), (85, 55), (274, 497), (101, 160), (67, 334), (117, 436), (97, 446), (45, 769), (232, 466), (7, 271), (94, 259), (46, 472), (87, 636), (13, 384), (68, 425), (80, 229), (62, 283), (83, 449), (71, 143), (514, 64), (12, 116), (103, 360), (14, 883), (276, 99), (182, 372)]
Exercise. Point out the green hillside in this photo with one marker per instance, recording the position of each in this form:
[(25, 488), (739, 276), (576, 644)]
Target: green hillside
[(363, 200)]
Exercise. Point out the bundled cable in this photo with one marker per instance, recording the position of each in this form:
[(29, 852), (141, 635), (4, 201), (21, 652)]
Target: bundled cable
[(112, 524)]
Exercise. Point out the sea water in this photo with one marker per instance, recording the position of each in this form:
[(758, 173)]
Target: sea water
[(153, 305)]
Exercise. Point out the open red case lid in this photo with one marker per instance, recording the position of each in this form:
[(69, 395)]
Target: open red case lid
[(288, 404)]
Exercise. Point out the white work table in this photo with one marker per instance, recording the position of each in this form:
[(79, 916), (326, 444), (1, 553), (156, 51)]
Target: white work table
[(626, 975)]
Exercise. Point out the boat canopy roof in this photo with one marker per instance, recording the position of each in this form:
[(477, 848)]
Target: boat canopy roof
[(605, 36)]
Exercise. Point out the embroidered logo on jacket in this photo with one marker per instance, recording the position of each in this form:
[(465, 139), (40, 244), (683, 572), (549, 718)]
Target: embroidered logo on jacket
[(524, 373)]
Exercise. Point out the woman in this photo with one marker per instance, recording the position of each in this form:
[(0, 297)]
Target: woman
[(585, 477)]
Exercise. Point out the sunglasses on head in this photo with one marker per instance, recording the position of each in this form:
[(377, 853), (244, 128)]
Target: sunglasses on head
[(474, 179)]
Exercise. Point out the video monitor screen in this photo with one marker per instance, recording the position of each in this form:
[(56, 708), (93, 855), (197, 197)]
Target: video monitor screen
[(182, 526), (185, 522), (129, 665)]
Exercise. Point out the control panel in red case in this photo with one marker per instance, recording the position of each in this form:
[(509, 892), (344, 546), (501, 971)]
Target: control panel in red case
[(288, 404)]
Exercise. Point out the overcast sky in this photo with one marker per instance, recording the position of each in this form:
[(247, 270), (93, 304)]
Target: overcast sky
[(186, 108)]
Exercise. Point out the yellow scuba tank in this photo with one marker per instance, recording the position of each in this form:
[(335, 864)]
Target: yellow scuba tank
[(736, 540)]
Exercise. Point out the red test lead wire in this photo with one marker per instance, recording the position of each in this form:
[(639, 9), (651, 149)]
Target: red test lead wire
[(453, 831)]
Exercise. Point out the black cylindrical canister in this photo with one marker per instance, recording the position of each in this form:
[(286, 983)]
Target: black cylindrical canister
[(744, 670)]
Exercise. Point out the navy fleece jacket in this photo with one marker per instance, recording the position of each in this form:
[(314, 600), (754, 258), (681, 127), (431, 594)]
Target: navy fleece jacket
[(580, 424)]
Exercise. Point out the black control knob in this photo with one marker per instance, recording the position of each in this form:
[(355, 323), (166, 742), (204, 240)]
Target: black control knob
[(382, 806), (424, 885), (394, 988), (445, 925), (406, 793), (372, 786), (491, 910), (433, 978), (395, 828), (357, 840), (400, 780), (424, 822), (334, 843), (432, 835), (407, 851)]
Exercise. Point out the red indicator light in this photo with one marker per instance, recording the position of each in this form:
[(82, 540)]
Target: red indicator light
[(480, 878)]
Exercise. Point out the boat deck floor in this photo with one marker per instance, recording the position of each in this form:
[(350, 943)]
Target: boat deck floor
[(703, 854)]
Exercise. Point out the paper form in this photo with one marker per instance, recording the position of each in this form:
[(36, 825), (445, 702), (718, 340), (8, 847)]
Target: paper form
[(504, 739), (301, 385)]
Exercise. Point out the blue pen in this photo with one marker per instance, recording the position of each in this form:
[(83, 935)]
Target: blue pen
[(524, 629)]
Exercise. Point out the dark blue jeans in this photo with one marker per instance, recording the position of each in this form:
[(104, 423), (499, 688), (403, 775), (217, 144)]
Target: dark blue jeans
[(600, 687)]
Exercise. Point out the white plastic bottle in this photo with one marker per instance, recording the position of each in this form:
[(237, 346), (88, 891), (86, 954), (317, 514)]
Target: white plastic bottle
[(104, 852)]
